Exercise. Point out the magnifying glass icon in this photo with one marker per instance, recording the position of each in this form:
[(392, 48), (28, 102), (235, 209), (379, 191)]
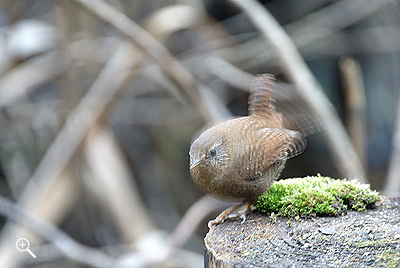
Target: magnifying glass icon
[(23, 245)]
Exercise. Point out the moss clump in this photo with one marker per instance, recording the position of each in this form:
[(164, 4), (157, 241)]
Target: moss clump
[(316, 195), (389, 258)]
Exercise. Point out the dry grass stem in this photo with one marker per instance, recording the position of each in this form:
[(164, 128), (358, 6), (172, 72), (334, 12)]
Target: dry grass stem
[(28, 76), (113, 183), (51, 205), (184, 80), (81, 120), (355, 105), (60, 239), (192, 218), (392, 184), (57, 157)]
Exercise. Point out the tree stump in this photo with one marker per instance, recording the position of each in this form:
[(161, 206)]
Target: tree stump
[(357, 239)]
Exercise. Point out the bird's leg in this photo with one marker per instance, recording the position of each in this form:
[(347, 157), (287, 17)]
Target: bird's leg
[(224, 214), (243, 213)]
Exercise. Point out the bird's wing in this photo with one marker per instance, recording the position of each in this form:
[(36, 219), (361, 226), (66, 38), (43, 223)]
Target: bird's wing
[(269, 150), (297, 114), (262, 100), (291, 112)]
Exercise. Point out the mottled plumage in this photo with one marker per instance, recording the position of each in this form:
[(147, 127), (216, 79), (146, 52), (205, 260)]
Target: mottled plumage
[(239, 159)]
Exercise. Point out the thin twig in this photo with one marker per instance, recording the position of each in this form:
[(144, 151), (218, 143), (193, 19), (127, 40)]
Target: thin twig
[(116, 187), (355, 104), (229, 73), (316, 29), (117, 70), (344, 154), (28, 76), (330, 19), (182, 233), (83, 118), (182, 78), (68, 246), (392, 185), (192, 218)]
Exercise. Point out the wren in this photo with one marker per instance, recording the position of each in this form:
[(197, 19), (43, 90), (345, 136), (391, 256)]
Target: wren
[(238, 160)]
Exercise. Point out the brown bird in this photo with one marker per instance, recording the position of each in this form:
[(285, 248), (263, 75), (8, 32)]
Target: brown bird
[(238, 160)]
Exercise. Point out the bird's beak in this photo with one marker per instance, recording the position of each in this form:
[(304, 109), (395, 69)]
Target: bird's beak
[(195, 163)]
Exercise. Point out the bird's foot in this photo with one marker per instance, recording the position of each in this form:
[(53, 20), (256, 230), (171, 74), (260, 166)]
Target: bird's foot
[(222, 217), (227, 212), (243, 213)]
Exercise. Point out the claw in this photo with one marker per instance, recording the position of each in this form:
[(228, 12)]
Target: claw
[(221, 217), (213, 223), (224, 215), (243, 216), (243, 213)]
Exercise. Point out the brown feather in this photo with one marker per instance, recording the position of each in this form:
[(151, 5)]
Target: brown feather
[(239, 159), (262, 100), (268, 147)]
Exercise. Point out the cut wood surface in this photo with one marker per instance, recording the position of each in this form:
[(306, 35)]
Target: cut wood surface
[(357, 239)]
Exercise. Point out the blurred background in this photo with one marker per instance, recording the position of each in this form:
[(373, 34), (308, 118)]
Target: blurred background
[(100, 101)]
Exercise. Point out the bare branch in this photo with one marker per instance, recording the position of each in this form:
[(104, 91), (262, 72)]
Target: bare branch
[(90, 109), (68, 246), (183, 79), (192, 218), (82, 119), (113, 181), (169, 247), (392, 185), (355, 104), (28, 76), (328, 20)]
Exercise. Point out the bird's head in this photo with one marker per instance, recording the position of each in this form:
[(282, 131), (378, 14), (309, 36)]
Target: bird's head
[(208, 156)]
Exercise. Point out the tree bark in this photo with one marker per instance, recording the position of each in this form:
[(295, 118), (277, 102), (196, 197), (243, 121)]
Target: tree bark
[(357, 239)]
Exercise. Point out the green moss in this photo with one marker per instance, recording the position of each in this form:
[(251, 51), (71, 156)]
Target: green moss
[(316, 195), (389, 258), (373, 243), (248, 253)]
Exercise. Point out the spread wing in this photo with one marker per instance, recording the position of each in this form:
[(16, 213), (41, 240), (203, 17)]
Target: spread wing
[(291, 111), (269, 151), (297, 114)]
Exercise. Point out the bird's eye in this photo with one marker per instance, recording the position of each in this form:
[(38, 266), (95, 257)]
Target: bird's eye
[(213, 152)]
